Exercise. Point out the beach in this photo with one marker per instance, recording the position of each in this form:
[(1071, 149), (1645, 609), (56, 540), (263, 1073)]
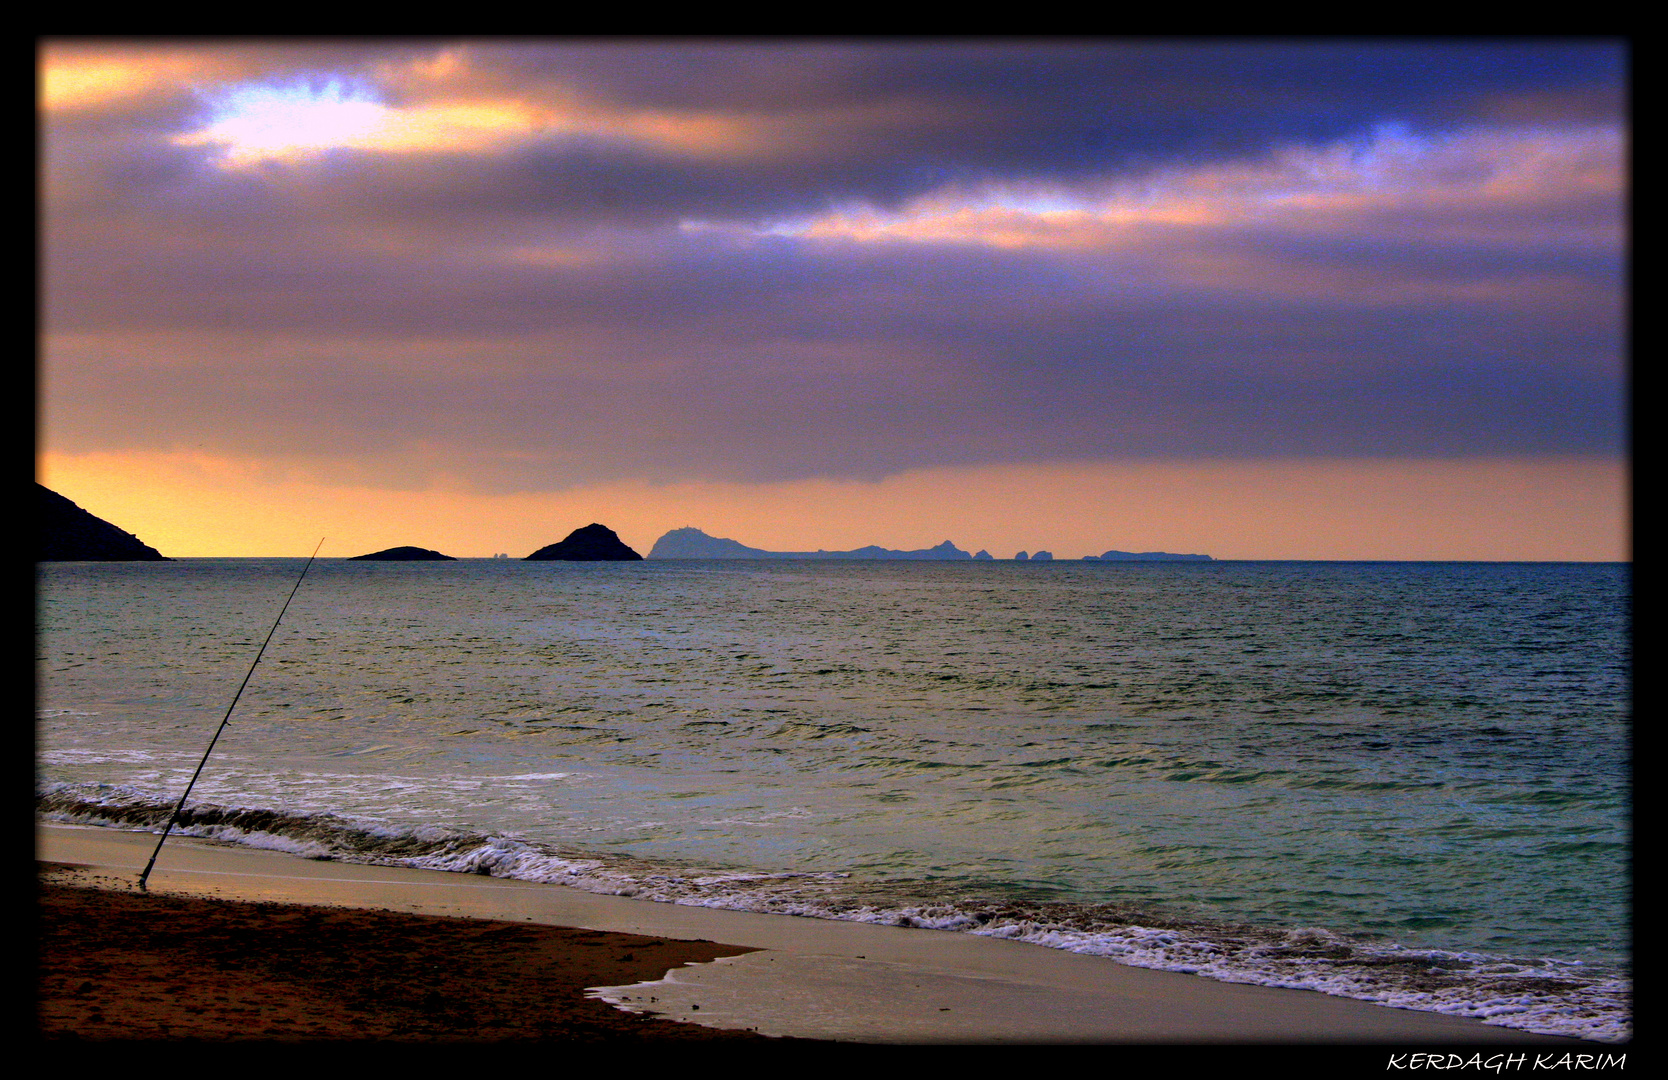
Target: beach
[(319, 950), (1350, 780), (883, 542)]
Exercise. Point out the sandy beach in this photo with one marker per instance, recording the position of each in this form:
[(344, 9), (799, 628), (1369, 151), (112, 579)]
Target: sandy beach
[(236, 943)]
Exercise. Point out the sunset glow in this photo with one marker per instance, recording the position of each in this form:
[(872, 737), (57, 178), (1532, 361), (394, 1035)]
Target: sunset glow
[(812, 294)]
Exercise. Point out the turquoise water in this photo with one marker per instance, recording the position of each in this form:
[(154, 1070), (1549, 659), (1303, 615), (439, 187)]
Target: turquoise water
[(1407, 782)]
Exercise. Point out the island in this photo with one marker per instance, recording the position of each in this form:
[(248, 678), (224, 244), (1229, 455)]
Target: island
[(692, 543), (593, 543), (1145, 556), (403, 554), (71, 534)]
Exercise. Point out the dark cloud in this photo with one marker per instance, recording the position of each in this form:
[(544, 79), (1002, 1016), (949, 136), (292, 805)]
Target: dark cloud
[(543, 312)]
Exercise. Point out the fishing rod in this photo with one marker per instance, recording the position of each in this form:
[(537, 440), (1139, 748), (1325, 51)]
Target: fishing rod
[(175, 816)]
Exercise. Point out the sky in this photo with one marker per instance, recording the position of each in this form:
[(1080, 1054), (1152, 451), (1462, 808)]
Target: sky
[(1259, 299)]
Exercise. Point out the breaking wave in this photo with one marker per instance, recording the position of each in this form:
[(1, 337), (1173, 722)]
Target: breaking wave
[(1541, 995)]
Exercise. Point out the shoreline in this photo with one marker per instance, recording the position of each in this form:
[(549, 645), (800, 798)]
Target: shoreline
[(783, 976)]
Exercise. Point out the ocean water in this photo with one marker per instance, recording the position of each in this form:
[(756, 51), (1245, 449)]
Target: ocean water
[(1402, 782)]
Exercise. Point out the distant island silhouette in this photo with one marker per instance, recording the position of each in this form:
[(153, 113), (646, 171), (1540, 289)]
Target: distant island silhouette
[(691, 543), (403, 554), (593, 543), (71, 534)]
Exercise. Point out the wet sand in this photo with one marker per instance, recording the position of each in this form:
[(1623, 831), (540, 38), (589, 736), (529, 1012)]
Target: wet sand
[(307, 950), (119, 964)]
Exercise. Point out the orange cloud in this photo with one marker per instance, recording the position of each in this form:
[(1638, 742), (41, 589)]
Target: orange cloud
[(77, 78)]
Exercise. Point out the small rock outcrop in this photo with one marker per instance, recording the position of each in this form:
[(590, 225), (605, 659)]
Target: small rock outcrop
[(982, 555), (403, 554), (593, 543), (70, 534)]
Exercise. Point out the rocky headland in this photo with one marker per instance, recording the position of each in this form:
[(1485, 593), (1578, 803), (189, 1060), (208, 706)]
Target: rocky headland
[(70, 534)]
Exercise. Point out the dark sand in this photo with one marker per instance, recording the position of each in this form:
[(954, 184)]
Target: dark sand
[(115, 963)]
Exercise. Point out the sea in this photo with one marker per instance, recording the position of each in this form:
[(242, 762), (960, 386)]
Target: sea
[(1406, 783)]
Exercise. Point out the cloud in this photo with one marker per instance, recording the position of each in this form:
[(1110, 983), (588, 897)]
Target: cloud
[(530, 265), (71, 82), (1533, 188), (255, 124), (250, 105)]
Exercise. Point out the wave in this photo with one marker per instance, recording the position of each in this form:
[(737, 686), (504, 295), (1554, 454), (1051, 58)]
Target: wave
[(1540, 995)]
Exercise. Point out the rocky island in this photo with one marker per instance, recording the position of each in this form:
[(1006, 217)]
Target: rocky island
[(403, 554), (593, 543), (1145, 556), (70, 534), (692, 543)]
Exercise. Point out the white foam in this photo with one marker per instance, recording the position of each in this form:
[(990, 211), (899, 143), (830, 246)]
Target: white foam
[(1496, 990)]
